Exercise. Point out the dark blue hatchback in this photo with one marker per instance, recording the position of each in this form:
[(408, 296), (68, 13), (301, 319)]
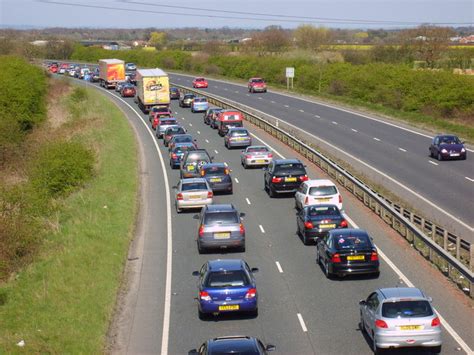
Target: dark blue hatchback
[(233, 345), (177, 153), (226, 286), (218, 177)]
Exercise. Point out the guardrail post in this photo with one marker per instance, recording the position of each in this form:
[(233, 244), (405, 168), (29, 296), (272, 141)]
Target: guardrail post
[(458, 247), (445, 240), (471, 258)]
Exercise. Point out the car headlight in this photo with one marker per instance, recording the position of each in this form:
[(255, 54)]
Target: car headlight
[(444, 150), (463, 150)]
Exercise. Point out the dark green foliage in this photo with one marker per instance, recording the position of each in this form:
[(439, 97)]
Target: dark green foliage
[(61, 167)]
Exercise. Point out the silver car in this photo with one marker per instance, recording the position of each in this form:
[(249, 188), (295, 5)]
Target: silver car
[(164, 124), (192, 193), (220, 227), (237, 137), (400, 317), (256, 155)]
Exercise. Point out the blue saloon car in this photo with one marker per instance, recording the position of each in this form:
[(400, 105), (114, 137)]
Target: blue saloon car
[(199, 104)]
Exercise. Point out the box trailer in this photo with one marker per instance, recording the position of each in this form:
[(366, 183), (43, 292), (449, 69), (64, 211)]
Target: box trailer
[(111, 71), (153, 88)]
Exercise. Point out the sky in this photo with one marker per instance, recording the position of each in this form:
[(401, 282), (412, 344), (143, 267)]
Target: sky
[(234, 14)]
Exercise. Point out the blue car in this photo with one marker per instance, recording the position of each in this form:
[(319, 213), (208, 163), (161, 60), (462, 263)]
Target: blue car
[(177, 153), (199, 104), (226, 286)]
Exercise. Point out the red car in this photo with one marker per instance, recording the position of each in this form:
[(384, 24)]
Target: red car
[(257, 85), (54, 68), (200, 83), (128, 91), (158, 112)]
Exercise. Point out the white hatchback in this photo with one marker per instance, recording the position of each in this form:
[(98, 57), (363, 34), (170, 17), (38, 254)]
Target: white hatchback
[(316, 192)]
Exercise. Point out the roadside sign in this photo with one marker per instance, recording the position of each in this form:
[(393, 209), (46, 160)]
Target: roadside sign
[(290, 72)]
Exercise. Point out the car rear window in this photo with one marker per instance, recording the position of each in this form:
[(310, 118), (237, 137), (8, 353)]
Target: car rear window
[(407, 309), (322, 190), (166, 122), (257, 149), (352, 242), (217, 170), (193, 186), (183, 148), (182, 139), (198, 156), (239, 133), (227, 279), (214, 218), (174, 130), (188, 96), (200, 100), (294, 168), (314, 211), (231, 117), (241, 347)]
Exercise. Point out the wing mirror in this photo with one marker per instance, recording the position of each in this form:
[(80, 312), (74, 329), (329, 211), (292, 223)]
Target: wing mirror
[(254, 270), (270, 347), (196, 216), (192, 352), (362, 302), (242, 214), (174, 187), (195, 273)]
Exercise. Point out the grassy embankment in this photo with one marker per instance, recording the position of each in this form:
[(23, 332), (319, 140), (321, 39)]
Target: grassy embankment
[(61, 299), (435, 100)]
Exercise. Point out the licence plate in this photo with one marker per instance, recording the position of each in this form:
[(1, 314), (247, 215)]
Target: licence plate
[(225, 235), (190, 167), (194, 197), (454, 154), (215, 180), (327, 226), (260, 160), (323, 199), (411, 327), (356, 257), (290, 179), (230, 307), (240, 139)]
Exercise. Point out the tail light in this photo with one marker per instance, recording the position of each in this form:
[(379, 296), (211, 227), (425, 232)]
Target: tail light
[(306, 199), (209, 194), (203, 173), (270, 155), (304, 178), (204, 296), (248, 156), (336, 258), (435, 322), (276, 179), (179, 197), (380, 323), (374, 256), (252, 293), (242, 228), (308, 225), (227, 171), (201, 230), (344, 224), (174, 156), (340, 199)]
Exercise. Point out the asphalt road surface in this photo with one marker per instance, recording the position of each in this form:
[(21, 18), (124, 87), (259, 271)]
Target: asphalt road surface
[(394, 155), (300, 311)]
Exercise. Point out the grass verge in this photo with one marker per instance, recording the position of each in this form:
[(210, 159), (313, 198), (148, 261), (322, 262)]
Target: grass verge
[(63, 301)]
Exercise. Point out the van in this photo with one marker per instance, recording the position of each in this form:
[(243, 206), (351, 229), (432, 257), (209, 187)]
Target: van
[(229, 118)]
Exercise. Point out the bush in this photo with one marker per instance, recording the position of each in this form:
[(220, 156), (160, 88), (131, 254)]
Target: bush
[(78, 95), (61, 167)]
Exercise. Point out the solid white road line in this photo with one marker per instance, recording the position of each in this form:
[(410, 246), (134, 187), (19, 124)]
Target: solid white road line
[(376, 139), (401, 149), (236, 180), (248, 201), (354, 130), (261, 228), (303, 326), (280, 269), (169, 233), (407, 282), (432, 162), (468, 178), (207, 140)]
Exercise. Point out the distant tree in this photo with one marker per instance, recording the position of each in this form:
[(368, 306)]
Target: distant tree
[(59, 49), (428, 43), (158, 39), (273, 40), (310, 37), (215, 48)]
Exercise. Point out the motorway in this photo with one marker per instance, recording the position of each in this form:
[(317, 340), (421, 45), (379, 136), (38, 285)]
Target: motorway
[(393, 155), (301, 311)]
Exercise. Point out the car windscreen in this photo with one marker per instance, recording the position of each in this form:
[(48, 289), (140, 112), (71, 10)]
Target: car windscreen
[(193, 186), (257, 149), (189, 96), (167, 122), (200, 100), (290, 168), (315, 211), (239, 133), (233, 278), (322, 190), (215, 170), (197, 156), (352, 242), (174, 89), (450, 140), (199, 79), (257, 81), (407, 309), (214, 218)]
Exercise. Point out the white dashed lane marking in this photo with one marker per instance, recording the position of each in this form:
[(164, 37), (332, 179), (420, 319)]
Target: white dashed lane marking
[(215, 151), (279, 267), (432, 162), (334, 122), (376, 139), (354, 130), (317, 116), (190, 124), (207, 141), (248, 201), (301, 110), (303, 326), (261, 228), (236, 180), (286, 105), (198, 132), (401, 149)]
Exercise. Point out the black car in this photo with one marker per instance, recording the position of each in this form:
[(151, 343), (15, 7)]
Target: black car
[(284, 176), (218, 177), (174, 93), (315, 221), (211, 113), (447, 147), (347, 251), (233, 345), (186, 100)]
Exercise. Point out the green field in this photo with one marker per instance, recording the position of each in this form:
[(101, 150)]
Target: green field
[(63, 301)]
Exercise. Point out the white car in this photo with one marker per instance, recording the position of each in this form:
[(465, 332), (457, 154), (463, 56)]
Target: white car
[(193, 193), (256, 155), (316, 192)]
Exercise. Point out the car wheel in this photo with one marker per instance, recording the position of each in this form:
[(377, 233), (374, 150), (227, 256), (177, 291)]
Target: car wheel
[(202, 315), (271, 193), (436, 349), (305, 239), (318, 258), (328, 274), (200, 249), (178, 210), (245, 165), (440, 157), (361, 325), (375, 348)]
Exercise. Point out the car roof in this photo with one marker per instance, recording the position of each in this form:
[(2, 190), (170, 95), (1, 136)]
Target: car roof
[(401, 292), (237, 129), (226, 264), (319, 182), (223, 207), (238, 344), (352, 232), (192, 180), (287, 161)]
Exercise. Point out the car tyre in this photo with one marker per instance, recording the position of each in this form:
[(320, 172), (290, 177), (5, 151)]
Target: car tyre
[(328, 274), (200, 249), (245, 165), (254, 313), (305, 239), (375, 348), (178, 210), (202, 315), (440, 157), (436, 349), (318, 258)]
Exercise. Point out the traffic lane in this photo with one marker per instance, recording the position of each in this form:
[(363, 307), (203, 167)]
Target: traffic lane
[(145, 312), (317, 329), (272, 307)]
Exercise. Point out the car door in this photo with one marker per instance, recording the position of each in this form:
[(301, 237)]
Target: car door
[(300, 219), (301, 194), (321, 244), (435, 146), (370, 308)]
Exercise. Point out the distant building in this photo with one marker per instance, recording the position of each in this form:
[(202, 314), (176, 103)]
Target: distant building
[(467, 40), (39, 43)]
